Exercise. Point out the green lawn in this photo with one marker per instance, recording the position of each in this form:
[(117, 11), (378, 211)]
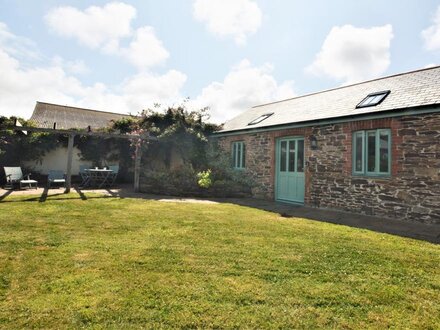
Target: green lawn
[(126, 263)]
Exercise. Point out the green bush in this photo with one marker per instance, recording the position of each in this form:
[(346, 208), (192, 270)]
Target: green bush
[(205, 180), (184, 181)]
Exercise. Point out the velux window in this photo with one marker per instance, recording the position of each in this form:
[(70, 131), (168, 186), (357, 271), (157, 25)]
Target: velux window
[(238, 155), (373, 99), (372, 152), (260, 119)]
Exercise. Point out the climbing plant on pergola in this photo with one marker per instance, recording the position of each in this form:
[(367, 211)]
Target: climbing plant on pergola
[(137, 139)]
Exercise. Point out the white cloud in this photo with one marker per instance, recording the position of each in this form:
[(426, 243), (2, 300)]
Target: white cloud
[(105, 27), (94, 27), (244, 86), (138, 92), (229, 18), (146, 50), (354, 54), (76, 67), (17, 46), (21, 87), (430, 65), (432, 34)]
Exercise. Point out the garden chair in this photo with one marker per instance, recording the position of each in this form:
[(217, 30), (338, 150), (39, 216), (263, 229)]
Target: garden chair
[(56, 176), (15, 175), (114, 174)]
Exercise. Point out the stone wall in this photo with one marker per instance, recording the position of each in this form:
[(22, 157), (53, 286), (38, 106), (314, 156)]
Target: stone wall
[(412, 192)]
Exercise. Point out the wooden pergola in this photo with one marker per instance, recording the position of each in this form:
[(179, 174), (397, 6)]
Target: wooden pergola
[(73, 133)]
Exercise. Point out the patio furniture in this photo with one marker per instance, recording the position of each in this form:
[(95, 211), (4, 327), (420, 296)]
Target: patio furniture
[(98, 177), (114, 174), (85, 176), (15, 175), (56, 177)]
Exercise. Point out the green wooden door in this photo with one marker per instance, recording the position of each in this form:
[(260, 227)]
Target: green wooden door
[(290, 181)]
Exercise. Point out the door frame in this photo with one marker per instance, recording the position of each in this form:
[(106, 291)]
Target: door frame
[(277, 154)]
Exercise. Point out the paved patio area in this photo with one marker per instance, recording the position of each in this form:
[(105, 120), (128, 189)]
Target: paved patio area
[(419, 231)]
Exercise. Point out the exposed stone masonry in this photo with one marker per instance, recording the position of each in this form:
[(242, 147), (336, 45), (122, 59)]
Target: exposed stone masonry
[(412, 192)]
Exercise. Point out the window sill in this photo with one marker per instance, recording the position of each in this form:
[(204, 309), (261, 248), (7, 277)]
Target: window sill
[(372, 176)]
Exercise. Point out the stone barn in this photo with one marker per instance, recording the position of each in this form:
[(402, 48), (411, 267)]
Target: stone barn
[(371, 148)]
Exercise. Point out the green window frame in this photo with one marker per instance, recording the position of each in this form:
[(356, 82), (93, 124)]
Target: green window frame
[(372, 152), (238, 155)]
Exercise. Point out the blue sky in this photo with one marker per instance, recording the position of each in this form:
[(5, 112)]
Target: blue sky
[(225, 54)]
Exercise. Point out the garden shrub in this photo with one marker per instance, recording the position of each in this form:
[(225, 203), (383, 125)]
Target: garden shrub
[(206, 168), (205, 180)]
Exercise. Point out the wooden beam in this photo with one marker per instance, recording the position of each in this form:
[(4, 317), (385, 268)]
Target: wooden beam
[(83, 133), (69, 163), (72, 133), (137, 165)]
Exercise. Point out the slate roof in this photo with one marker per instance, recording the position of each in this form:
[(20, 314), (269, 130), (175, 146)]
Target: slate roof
[(45, 114), (408, 90)]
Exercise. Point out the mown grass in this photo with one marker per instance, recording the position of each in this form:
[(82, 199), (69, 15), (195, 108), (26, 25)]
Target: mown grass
[(126, 263)]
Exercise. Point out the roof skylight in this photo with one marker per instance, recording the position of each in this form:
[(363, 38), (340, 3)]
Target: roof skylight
[(260, 119), (373, 99)]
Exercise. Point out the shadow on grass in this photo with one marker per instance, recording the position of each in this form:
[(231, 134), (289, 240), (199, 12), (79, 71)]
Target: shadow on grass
[(115, 194), (6, 194), (398, 227), (36, 199), (45, 196), (80, 193)]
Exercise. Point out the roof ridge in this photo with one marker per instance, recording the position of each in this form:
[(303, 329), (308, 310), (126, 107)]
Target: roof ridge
[(346, 86), (85, 109)]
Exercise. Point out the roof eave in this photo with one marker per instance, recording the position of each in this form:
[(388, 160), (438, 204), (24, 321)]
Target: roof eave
[(425, 109)]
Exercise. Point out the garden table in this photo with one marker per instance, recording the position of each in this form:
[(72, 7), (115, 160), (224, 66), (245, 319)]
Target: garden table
[(98, 177)]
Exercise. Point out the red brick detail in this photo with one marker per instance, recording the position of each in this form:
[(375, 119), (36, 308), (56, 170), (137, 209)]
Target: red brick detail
[(411, 192), (387, 123)]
